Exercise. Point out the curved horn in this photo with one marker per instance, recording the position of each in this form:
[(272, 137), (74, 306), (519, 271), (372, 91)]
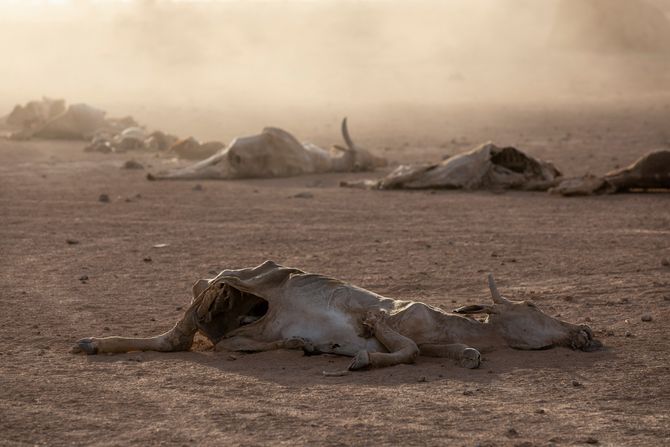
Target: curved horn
[(495, 295), (345, 134)]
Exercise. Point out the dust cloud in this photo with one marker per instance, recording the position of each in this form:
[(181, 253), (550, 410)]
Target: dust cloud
[(246, 56)]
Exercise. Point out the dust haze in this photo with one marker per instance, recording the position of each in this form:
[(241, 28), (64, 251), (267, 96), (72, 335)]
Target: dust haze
[(268, 58)]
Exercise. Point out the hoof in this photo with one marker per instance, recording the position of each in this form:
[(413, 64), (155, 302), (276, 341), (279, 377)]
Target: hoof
[(362, 360), (471, 358), (85, 345)]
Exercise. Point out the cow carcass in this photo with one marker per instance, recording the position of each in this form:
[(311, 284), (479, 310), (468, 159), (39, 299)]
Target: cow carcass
[(276, 153), (52, 119), (485, 167), (650, 172), (272, 307)]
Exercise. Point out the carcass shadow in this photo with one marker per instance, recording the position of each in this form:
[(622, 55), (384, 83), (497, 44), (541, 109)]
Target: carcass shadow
[(293, 368)]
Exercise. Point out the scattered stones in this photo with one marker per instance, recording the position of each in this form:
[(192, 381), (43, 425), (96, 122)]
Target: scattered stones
[(132, 164), (104, 198), (198, 187), (71, 241), (304, 195), (646, 318)]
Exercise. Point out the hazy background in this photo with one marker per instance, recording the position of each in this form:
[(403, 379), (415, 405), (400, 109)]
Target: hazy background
[(261, 60)]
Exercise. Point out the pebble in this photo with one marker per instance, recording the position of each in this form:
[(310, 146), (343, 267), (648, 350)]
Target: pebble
[(468, 393), (665, 262), (591, 440), (147, 259), (72, 241), (304, 195), (628, 334), (646, 317), (576, 383), (132, 164), (512, 433), (540, 411), (422, 379), (104, 198), (83, 278)]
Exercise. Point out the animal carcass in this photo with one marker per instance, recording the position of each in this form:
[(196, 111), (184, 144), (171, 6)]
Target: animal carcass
[(276, 153), (272, 307), (485, 167)]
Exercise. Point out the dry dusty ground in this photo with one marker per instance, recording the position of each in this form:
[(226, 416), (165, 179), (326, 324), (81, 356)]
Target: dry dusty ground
[(593, 259)]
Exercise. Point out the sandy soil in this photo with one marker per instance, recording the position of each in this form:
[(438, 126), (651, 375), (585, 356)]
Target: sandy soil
[(595, 260)]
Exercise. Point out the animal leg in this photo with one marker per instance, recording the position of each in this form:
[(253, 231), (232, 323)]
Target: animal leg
[(467, 357), (401, 349), (179, 338), (246, 344)]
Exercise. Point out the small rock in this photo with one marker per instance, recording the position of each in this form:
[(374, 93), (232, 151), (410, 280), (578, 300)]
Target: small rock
[(231, 358), (588, 319), (160, 245), (72, 241), (178, 308), (628, 334), (132, 164), (106, 328), (422, 379), (591, 440), (198, 187), (468, 393), (147, 259), (665, 262), (104, 198), (304, 195), (646, 318), (576, 384), (83, 278), (540, 411), (136, 358), (512, 433)]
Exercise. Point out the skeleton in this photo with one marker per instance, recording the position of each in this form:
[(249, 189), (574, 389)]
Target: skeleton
[(485, 167), (276, 153), (652, 171), (273, 307)]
